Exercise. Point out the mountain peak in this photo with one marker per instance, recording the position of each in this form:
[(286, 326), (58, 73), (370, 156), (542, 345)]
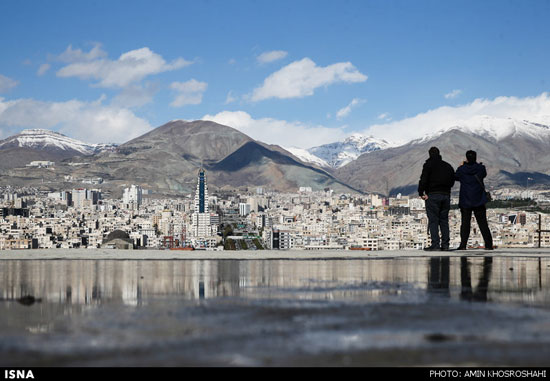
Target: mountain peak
[(42, 139), (338, 154), (362, 141), (36, 131)]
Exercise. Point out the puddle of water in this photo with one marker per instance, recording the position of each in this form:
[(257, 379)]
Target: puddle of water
[(384, 312)]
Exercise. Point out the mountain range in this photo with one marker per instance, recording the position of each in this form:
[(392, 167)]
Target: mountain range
[(167, 158), (512, 150)]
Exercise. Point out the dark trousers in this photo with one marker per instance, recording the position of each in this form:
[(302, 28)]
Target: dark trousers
[(480, 213), (437, 209)]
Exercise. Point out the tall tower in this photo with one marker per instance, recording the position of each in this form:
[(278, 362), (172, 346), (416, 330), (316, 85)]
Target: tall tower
[(201, 217), (201, 197)]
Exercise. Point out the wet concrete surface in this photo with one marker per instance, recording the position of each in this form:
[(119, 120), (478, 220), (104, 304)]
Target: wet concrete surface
[(399, 311)]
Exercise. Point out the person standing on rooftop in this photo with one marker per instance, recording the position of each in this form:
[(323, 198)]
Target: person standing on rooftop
[(434, 187), (473, 198)]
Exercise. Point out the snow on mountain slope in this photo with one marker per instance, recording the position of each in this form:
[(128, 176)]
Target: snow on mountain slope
[(307, 157), (495, 129), (50, 140), (338, 154)]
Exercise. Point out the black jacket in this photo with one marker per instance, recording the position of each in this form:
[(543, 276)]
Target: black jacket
[(471, 191), (437, 177)]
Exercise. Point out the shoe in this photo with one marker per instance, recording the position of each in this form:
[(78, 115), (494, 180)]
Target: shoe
[(432, 248), (461, 247), (489, 248), (444, 249)]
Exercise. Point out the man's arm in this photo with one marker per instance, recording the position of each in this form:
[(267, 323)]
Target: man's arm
[(457, 173), (424, 179), (483, 172), (451, 176)]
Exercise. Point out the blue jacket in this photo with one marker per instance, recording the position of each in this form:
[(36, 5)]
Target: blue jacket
[(471, 191)]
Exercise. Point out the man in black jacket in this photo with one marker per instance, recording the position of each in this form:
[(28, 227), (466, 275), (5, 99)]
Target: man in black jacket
[(436, 181)]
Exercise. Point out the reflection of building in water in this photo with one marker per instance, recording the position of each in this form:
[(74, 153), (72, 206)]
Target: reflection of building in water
[(134, 282)]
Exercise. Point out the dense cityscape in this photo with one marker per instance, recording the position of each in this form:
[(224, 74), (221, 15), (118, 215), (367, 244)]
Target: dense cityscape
[(254, 219)]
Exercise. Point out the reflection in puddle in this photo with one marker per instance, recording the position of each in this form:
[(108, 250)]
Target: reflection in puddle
[(439, 278), (267, 312), (89, 282)]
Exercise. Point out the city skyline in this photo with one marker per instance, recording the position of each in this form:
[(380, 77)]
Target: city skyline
[(294, 74), (253, 219)]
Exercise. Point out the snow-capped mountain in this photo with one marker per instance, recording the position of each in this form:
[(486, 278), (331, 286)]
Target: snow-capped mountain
[(305, 156), (513, 151), (496, 129), (52, 141), (166, 158), (338, 154)]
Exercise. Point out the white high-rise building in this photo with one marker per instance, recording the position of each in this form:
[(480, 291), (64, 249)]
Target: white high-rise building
[(244, 209), (132, 196), (79, 197)]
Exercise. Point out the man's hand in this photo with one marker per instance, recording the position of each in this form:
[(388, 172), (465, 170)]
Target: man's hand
[(425, 197)]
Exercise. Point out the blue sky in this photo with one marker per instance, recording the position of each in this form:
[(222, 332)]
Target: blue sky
[(295, 73)]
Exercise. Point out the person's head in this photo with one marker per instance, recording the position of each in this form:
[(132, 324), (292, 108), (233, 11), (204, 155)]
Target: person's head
[(471, 156), (434, 152)]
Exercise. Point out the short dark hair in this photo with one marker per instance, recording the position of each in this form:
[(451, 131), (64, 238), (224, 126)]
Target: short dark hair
[(434, 151), (471, 156)]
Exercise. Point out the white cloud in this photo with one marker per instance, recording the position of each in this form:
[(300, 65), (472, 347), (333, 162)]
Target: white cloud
[(88, 121), (230, 98), (7, 84), (71, 55), (384, 116), (301, 78), (534, 109), (453, 94), (344, 111), (129, 68), (280, 132), (271, 56), (135, 95), (189, 93), (43, 69)]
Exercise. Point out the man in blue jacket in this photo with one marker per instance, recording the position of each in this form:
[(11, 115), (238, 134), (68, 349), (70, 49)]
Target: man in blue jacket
[(436, 181), (472, 198)]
